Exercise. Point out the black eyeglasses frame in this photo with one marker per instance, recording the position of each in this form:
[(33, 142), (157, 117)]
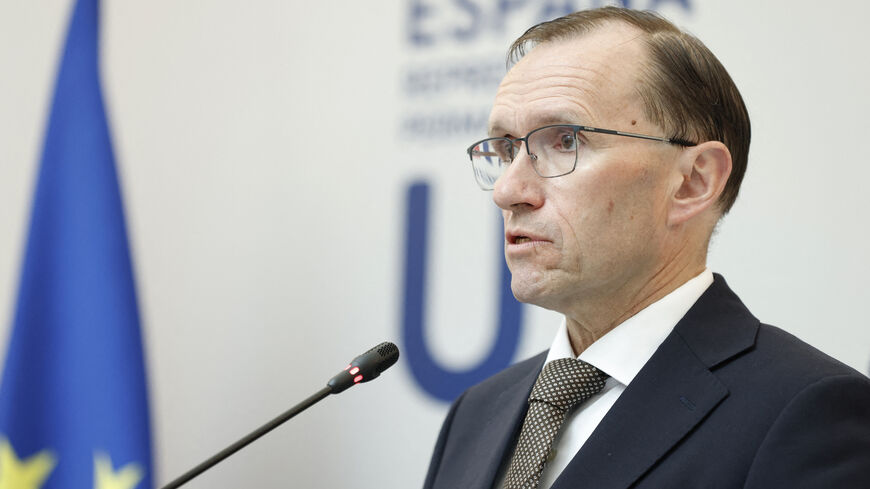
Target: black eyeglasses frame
[(576, 128)]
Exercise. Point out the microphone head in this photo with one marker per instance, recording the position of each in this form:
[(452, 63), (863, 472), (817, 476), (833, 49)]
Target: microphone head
[(365, 367)]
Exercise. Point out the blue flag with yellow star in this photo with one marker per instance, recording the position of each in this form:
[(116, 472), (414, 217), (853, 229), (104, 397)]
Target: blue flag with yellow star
[(73, 401)]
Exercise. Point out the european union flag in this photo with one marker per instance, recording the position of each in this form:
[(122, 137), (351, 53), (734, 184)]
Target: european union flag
[(73, 403)]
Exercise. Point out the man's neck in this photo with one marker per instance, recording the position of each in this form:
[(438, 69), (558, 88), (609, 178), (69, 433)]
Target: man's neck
[(594, 319)]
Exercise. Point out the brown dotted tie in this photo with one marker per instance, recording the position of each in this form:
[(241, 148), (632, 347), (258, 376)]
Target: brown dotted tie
[(563, 384)]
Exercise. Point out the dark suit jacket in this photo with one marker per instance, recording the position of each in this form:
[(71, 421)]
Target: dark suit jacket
[(725, 402)]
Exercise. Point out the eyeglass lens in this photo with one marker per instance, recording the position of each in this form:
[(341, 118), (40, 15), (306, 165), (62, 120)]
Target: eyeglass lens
[(553, 153)]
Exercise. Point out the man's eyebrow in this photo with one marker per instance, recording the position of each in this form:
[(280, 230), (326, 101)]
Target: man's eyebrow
[(496, 130)]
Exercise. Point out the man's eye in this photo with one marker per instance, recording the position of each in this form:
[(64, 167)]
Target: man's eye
[(504, 148), (567, 142)]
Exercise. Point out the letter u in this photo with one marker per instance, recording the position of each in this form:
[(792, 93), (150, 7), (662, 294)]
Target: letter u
[(443, 383)]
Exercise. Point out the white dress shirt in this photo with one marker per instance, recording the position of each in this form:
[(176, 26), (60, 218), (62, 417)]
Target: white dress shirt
[(620, 353)]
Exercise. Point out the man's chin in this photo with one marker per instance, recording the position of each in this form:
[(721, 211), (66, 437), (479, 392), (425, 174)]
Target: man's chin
[(537, 290), (529, 292)]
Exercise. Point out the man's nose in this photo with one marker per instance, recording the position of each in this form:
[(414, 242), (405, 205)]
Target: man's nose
[(519, 186)]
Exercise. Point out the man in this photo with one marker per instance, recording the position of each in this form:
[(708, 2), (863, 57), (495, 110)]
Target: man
[(616, 144)]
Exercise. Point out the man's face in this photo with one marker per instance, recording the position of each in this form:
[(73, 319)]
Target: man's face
[(600, 230)]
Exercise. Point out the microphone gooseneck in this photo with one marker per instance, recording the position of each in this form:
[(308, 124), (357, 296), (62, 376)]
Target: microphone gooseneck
[(363, 368)]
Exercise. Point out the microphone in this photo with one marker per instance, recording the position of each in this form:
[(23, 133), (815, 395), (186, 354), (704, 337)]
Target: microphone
[(363, 368)]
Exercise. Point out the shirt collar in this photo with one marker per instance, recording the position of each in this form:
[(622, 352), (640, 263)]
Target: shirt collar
[(625, 349)]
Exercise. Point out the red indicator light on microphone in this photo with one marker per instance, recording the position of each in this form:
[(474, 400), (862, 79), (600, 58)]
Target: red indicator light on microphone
[(357, 379), (354, 371)]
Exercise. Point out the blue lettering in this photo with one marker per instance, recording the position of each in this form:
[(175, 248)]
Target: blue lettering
[(468, 33), (654, 4), (552, 9), (503, 11), (436, 380), (418, 12), (440, 125), (491, 16)]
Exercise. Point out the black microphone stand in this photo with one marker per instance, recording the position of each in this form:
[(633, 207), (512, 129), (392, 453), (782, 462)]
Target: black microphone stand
[(247, 440), (363, 368)]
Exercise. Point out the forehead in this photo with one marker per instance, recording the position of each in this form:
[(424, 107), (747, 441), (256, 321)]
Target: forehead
[(591, 79)]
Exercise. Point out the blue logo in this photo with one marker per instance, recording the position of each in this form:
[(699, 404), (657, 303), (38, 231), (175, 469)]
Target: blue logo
[(432, 22), (441, 382)]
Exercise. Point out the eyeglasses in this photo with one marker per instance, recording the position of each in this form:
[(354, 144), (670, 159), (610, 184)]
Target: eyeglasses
[(553, 151)]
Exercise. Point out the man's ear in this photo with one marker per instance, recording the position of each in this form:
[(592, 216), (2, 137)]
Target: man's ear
[(704, 170)]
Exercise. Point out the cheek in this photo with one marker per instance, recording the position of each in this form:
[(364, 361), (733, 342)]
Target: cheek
[(582, 217), (639, 213), (595, 198), (605, 209)]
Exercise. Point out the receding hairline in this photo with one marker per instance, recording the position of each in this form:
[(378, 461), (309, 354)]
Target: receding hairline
[(620, 40), (643, 69), (523, 46)]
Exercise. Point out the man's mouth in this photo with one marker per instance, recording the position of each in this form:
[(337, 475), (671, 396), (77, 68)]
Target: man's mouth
[(514, 238)]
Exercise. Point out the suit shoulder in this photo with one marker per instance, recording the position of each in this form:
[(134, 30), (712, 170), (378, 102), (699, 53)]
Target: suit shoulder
[(779, 367), (784, 353), (827, 421)]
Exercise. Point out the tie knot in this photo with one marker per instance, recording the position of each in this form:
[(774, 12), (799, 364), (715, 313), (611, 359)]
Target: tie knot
[(566, 382)]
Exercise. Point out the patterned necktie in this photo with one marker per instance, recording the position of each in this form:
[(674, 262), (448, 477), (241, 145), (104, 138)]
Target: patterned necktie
[(563, 384)]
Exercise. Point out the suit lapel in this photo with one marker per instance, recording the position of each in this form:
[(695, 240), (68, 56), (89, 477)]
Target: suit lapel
[(671, 394), (662, 404), (501, 423)]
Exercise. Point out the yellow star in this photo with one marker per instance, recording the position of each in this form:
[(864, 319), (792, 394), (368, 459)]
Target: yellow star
[(23, 474), (105, 476)]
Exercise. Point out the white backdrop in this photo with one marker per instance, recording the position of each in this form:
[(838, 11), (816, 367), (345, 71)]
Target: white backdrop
[(265, 149)]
